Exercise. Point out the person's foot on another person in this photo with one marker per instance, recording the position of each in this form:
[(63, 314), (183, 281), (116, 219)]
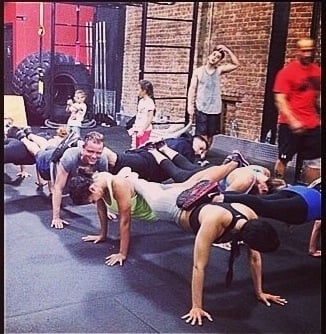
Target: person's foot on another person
[(239, 158)]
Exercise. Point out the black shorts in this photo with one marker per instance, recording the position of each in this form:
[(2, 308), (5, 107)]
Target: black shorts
[(206, 124), (307, 144)]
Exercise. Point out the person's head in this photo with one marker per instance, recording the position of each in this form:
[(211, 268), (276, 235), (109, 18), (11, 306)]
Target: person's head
[(61, 131), (305, 50), (260, 235), (84, 189), (200, 146), (92, 147), (146, 88), (80, 96), (274, 184), (215, 56)]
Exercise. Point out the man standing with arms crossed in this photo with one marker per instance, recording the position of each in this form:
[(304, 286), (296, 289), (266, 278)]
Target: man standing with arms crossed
[(204, 94)]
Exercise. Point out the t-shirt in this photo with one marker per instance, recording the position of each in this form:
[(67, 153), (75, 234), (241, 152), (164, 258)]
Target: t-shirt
[(301, 84), (144, 106), (71, 160)]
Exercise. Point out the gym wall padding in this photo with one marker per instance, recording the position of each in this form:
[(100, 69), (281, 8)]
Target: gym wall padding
[(14, 107)]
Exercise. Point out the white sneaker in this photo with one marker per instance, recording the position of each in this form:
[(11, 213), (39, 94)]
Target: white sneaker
[(226, 245)]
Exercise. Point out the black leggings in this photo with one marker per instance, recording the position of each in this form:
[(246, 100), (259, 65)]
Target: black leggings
[(179, 168), (283, 205)]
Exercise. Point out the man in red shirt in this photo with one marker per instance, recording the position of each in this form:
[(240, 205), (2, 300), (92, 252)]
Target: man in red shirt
[(296, 92)]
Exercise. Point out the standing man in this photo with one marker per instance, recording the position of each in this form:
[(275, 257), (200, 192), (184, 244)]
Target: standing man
[(296, 92), (204, 94)]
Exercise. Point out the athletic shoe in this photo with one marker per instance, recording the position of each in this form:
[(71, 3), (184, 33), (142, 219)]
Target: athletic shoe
[(148, 146), (27, 130), (20, 134), (197, 194), (239, 158), (227, 159), (203, 163), (159, 144), (70, 141)]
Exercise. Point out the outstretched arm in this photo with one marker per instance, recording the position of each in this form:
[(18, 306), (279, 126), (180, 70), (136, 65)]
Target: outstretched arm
[(103, 217), (59, 184), (203, 242), (122, 193), (255, 262)]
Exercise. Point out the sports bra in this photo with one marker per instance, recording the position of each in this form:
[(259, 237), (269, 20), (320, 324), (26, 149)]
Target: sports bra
[(227, 234)]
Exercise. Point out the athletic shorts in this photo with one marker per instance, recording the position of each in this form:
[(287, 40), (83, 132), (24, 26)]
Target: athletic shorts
[(206, 124), (307, 144), (43, 160)]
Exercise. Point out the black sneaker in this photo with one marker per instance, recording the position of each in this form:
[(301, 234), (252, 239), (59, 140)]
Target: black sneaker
[(27, 130), (70, 141), (160, 144), (239, 158), (20, 134), (197, 194), (227, 159)]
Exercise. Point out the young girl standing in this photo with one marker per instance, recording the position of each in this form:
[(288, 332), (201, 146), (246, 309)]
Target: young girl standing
[(77, 110), (141, 130)]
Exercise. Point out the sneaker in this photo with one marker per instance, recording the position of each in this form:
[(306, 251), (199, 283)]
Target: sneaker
[(20, 134), (227, 160), (27, 130), (203, 163), (149, 146), (197, 194), (70, 141), (239, 158), (223, 245), (159, 144)]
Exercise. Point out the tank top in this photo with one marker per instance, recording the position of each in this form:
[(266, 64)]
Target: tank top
[(139, 207), (208, 97)]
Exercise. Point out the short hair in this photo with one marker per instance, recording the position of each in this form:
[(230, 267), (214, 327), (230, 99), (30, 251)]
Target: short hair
[(260, 235), (220, 51), (94, 137), (79, 187)]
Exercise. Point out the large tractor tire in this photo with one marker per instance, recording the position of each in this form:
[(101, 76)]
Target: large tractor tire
[(67, 78)]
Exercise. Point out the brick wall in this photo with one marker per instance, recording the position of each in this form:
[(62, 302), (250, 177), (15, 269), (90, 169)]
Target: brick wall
[(245, 27)]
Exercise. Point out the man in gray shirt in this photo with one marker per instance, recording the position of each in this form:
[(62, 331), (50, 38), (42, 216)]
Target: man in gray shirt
[(204, 94), (87, 154)]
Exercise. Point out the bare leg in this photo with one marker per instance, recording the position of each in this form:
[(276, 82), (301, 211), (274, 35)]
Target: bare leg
[(314, 239), (32, 147), (214, 173), (40, 141)]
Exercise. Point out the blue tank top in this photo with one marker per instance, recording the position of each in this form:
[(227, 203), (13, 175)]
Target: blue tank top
[(312, 197)]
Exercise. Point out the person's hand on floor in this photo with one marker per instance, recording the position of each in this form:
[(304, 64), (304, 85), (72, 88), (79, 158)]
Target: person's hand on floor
[(58, 223), (94, 238), (266, 298), (195, 316), (112, 259)]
